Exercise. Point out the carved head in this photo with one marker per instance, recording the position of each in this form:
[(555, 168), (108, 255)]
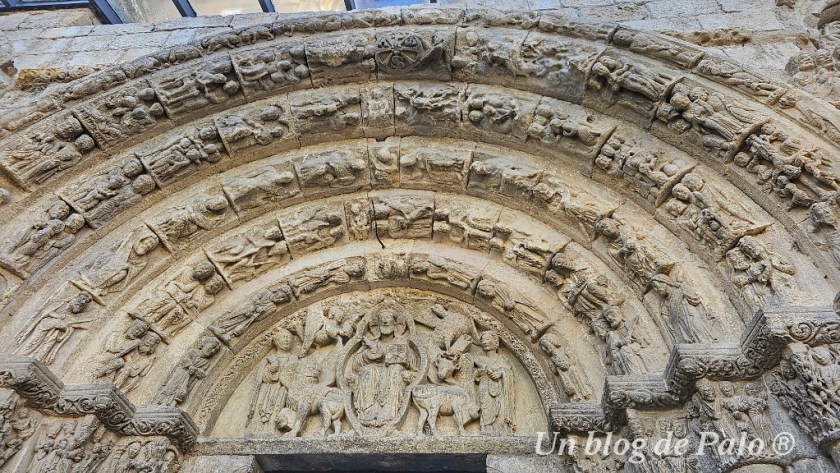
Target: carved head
[(660, 283), (145, 245), (635, 429), (216, 203), (282, 340), (681, 192), (752, 389), (336, 314), (136, 329), (822, 58), (59, 210), (203, 271), (355, 269), (484, 289), (822, 355), (210, 346), (489, 341), (74, 223), (726, 388), (612, 315), (133, 449), (281, 294), (387, 321), (214, 285), (609, 227), (68, 128), (752, 248), (680, 430), (80, 302), (706, 392), (149, 343)]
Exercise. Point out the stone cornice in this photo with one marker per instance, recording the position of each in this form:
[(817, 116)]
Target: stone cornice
[(764, 339), (44, 391)]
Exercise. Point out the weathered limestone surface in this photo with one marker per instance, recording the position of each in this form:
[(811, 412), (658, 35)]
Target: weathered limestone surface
[(420, 230)]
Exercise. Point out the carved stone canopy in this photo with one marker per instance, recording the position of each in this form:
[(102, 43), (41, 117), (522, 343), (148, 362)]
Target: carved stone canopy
[(423, 222)]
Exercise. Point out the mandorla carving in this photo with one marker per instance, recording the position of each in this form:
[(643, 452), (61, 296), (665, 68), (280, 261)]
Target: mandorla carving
[(372, 365)]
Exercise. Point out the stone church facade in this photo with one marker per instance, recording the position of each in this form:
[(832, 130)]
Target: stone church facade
[(422, 235)]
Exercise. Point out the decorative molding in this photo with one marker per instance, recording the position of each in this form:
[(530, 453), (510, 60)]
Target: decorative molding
[(34, 382)]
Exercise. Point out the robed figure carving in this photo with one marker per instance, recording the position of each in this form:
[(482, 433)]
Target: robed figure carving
[(381, 364)]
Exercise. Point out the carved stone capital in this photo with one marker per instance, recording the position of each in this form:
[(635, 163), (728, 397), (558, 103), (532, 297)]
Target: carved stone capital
[(580, 417)]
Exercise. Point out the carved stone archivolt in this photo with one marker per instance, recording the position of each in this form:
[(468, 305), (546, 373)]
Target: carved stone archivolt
[(479, 224)]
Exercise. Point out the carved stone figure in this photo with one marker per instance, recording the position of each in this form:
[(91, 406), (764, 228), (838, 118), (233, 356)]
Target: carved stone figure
[(174, 303), (154, 456), (574, 384), (681, 310), (382, 367), (122, 115), (192, 368), (337, 169), (259, 126), (47, 153), (103, 197), (721, 122), (50, 234), (180, 155), (495, 388), (618, 75), (436, 268), (16, 425), (185, 222), (313, 228), (262, 186), (203, 84), (403, 216), (270, 395), (623, 347), (761, 276), (250, 254), (278, 68), (325, 328), (236, 322), (129, 356), (526, 316), (55, 325)]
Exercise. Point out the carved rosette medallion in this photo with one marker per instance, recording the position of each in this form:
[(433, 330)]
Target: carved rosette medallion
[(400, 51)]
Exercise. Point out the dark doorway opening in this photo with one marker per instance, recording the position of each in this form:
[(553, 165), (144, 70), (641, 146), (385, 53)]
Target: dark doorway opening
[(373, 463)]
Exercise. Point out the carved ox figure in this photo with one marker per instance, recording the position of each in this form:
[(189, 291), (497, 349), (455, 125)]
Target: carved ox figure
[(450, 400)]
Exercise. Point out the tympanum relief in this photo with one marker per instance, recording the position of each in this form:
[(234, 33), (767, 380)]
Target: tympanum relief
[(386, 363)]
